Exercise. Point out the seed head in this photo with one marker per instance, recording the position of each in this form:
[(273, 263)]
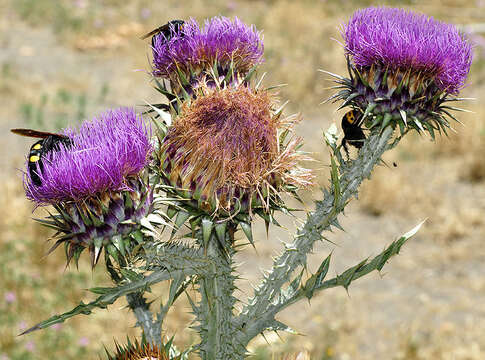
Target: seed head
[(223, 151)]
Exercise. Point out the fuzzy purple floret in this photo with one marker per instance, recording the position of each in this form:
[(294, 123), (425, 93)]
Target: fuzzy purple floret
[(221, 39), (105, 151), (401, 39)]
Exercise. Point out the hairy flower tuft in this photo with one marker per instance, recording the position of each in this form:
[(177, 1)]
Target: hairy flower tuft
[(194, 49), (403, 40), (104, 153), (404, 69)]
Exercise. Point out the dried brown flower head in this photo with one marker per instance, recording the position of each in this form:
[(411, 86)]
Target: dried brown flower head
[(224, 150)]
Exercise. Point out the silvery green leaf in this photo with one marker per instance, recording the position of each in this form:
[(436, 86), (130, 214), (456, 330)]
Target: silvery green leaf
[(316, 279), (260, 81), (332, 74), (119, 244), (246, 227), (413, 231), (403, 116), (110, 295), (280, 109), (418, 123), (207, 226), (182, 216), (221, 231)]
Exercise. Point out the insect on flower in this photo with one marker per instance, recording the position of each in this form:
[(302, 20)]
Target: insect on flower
[(230, 46), (50, 142), (94, 177), (353, 133), (167, 31)]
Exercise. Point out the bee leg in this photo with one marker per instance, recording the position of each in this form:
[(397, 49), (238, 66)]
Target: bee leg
[(346, 148)]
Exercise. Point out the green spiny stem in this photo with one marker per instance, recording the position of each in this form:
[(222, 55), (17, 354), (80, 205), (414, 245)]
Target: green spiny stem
[(314, 285), (172, 257), (215, 310), (325, 215), (137, 304), (176, 257), (151, 329)]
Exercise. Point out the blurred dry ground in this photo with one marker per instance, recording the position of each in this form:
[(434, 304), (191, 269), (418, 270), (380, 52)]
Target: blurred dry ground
[(62, 61)]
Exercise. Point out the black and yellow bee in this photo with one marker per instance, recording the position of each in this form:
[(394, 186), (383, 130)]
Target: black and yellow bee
[(167, 31), (353, 133), (50, 142)]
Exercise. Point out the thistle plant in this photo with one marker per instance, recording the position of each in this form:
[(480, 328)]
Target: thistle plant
[(190, 50), (223, 159), (224, 154), (96, 185), (223, 50), (404, 68)]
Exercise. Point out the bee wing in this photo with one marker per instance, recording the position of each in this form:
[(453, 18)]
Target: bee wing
[(36, 133), (166, 27), (155, 31)]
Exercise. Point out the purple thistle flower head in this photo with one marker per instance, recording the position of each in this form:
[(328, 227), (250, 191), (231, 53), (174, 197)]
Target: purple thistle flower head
[(104, 153), (404, 40), (193, 48)]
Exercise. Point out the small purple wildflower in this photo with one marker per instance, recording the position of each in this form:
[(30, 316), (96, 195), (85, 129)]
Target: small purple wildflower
[(56, 327), (231, 5), (98, 23), (81, 4), (145, 13), (30, 346), (22, 325), (479, 42), (105, 152), (83, 342), (10, 297), (403, 40), (220, 40)]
